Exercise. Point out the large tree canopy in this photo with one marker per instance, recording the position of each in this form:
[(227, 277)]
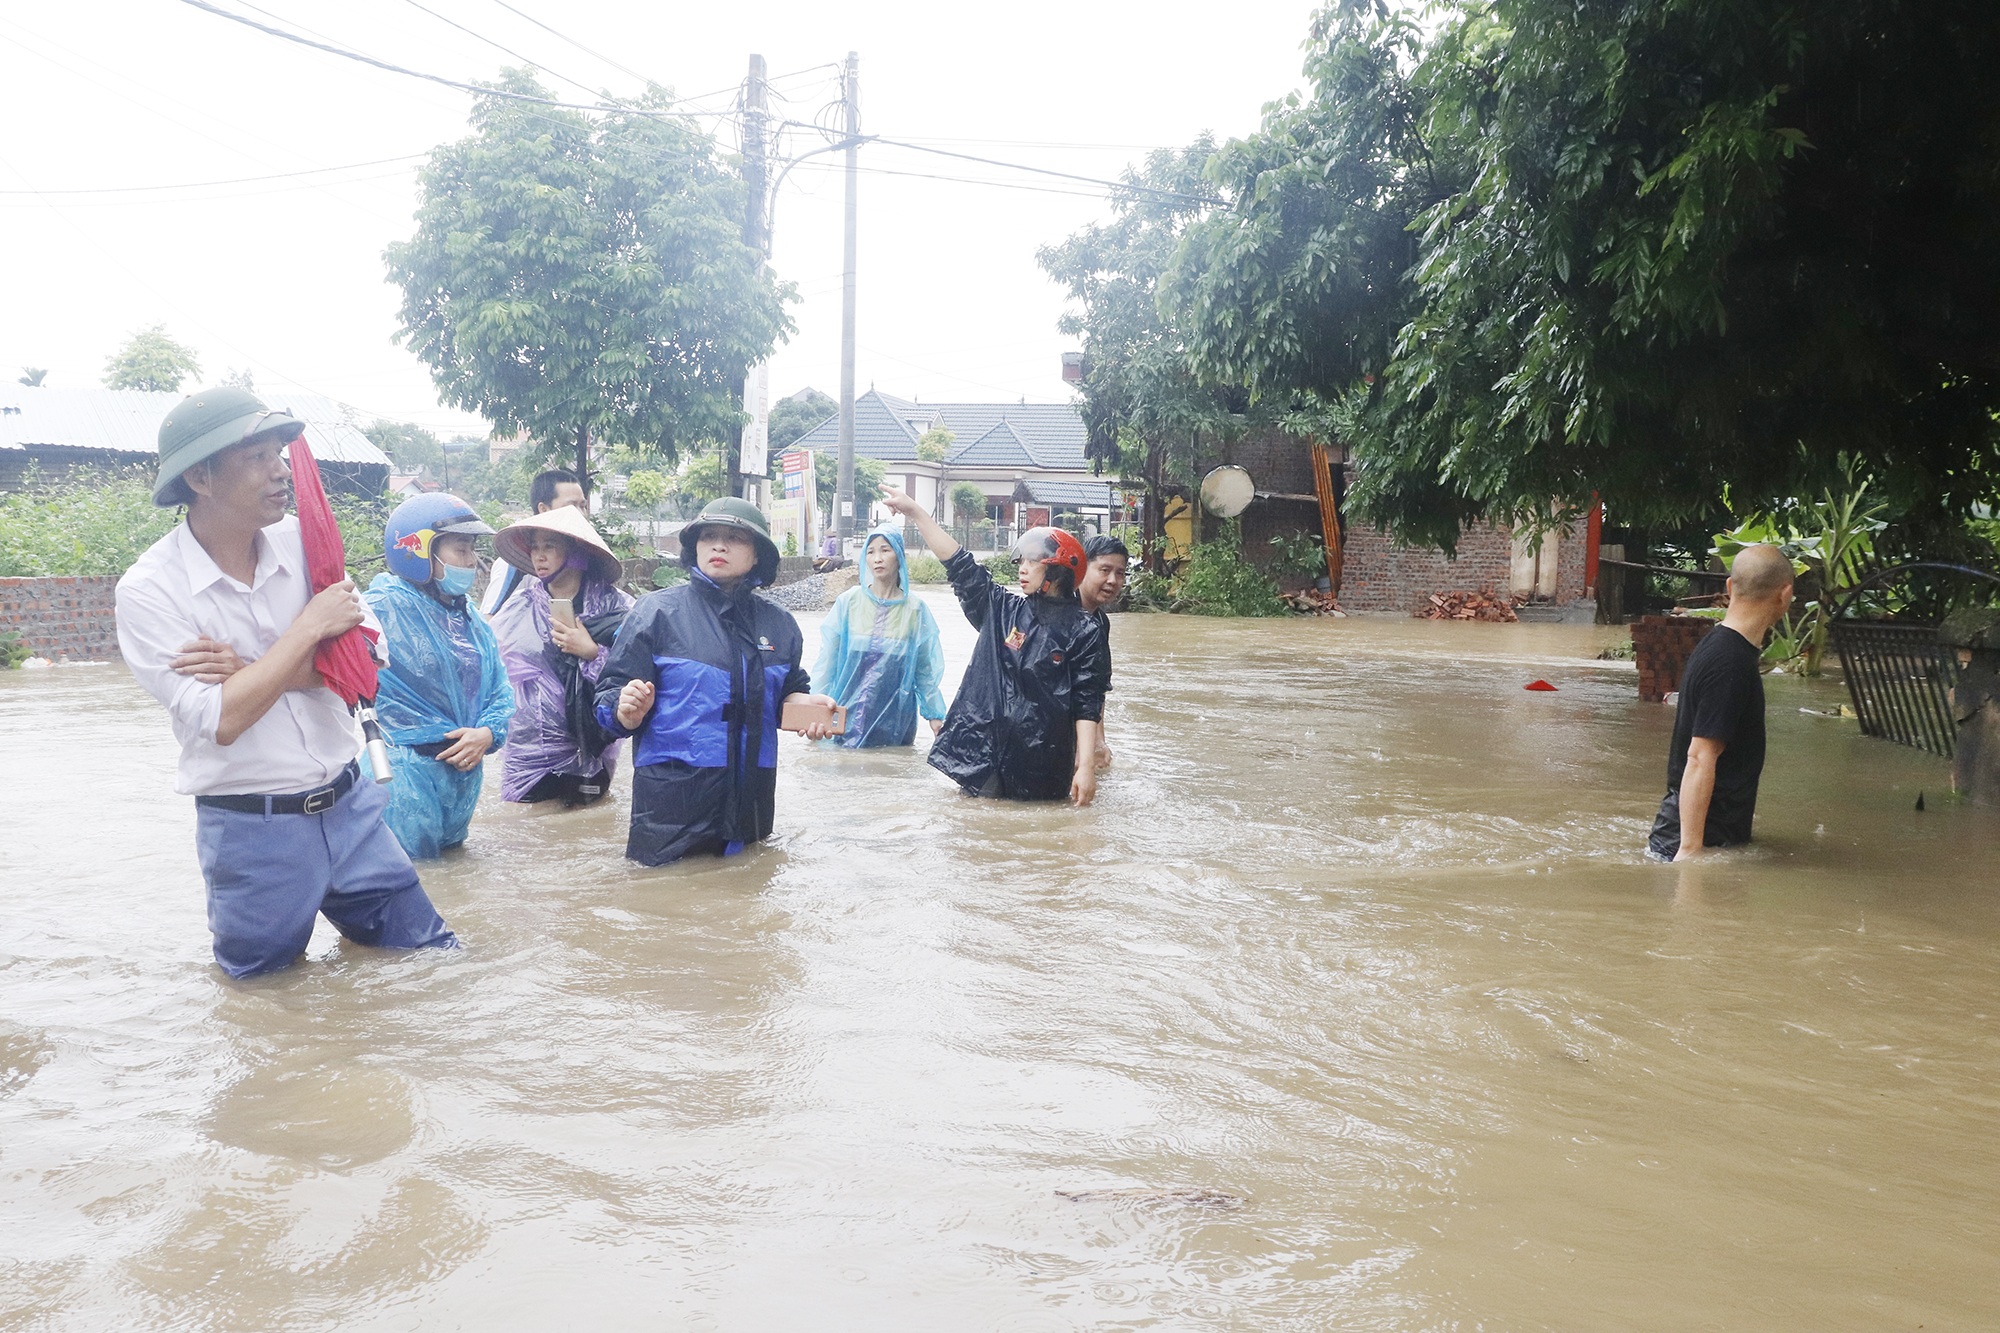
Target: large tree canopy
[(572, 272), (1647, 250), (152, 360)]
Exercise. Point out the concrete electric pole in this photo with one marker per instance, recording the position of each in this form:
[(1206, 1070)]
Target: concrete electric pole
[(753, 453), (843, 507)]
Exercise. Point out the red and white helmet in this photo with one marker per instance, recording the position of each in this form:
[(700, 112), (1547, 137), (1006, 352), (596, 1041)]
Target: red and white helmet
[(1061, 551)]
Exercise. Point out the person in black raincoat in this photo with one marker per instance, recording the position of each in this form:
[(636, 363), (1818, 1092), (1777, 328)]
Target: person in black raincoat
[(1025, 724), (700, 674)]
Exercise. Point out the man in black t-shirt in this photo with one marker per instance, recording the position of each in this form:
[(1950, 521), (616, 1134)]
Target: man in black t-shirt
[(1718, 747)]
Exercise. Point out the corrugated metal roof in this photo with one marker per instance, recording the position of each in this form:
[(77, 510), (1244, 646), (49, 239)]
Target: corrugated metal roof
[(127, 421)]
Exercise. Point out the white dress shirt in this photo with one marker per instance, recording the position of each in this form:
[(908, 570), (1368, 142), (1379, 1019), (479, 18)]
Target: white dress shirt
[(176, 593)]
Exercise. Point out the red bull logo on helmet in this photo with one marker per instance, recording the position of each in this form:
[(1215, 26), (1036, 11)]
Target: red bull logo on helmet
[(416, 543)]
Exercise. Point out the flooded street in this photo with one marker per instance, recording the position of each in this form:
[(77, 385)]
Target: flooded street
[(1352, 1004)]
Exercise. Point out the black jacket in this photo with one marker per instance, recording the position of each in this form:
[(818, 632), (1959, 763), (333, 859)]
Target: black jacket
[(705, 761), (1040, 667)]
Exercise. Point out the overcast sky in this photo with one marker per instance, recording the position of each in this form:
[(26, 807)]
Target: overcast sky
[(285, 277)]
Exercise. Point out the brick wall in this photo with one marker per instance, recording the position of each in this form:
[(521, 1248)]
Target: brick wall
[(62, 619), (1378, 575), (1662, 645)]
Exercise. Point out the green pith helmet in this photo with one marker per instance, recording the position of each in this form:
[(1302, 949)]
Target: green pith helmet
[(202, 425), (730, 512)]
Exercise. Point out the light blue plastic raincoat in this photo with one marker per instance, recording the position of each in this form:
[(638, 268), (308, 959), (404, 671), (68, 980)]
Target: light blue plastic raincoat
[(881, 657), (445, 672)]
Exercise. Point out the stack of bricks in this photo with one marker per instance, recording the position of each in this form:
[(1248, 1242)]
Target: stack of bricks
[(62, 619), (1662, 645)]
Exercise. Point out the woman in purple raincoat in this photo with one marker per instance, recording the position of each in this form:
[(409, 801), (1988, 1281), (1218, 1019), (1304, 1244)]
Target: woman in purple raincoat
[(555, 749)]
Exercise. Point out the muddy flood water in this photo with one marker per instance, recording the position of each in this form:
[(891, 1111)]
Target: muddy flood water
[(1351, 1005)]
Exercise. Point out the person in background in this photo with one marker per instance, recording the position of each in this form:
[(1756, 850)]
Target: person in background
[(1103, 584), (444, 700), (555, 749), (218, 622), (1717, 754), (1025, 722), (551, 489), (700, 673), (880, 655), (829, 557)]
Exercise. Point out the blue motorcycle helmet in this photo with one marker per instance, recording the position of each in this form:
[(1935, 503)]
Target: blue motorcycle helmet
[(415, 526)]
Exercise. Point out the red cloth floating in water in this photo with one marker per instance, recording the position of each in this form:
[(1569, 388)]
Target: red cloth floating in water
[(1538, 685)]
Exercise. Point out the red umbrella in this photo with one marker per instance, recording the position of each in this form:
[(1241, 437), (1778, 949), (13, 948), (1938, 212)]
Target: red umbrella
[(348, 662)]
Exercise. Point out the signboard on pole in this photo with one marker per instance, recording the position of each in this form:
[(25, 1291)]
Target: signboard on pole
[(788, 520), (754, 459), (797, 466)]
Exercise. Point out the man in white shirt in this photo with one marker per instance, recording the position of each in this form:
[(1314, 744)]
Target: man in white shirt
[(218, 621)]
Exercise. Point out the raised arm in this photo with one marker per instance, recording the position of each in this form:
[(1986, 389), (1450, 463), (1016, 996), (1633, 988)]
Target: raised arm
[(941, 543)]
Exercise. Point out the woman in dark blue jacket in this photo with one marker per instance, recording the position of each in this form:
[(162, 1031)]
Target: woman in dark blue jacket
[(700, 674)]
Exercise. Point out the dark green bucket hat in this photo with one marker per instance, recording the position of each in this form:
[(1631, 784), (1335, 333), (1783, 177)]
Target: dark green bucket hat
[(731, 512), (203, 425)]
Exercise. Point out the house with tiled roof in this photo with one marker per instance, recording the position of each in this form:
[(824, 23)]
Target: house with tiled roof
[(51, 433), (1027, 458)]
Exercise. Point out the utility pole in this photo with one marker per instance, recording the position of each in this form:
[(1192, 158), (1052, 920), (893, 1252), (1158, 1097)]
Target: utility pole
[(752, 460), (843, 505)]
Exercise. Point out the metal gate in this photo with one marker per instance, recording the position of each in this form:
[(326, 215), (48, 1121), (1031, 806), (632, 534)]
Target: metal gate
[(1900, 682)]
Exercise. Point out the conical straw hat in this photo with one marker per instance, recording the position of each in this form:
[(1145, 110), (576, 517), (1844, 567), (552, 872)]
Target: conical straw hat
[(511, 544)]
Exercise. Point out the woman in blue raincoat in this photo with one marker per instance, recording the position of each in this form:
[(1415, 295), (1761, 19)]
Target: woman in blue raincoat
[(879, 652), (444, 699)]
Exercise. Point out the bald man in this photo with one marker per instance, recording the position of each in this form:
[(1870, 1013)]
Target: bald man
[(1718, 748)]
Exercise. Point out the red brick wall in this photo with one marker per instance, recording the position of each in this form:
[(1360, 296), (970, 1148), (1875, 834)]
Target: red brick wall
[(1662, 645), (1276, 461), (62, 619), (1378, 575)]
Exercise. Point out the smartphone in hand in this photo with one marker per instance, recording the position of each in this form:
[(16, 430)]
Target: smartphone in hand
[(800, 714), (562, 610)]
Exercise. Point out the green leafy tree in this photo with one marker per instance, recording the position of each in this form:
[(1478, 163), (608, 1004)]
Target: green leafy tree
[(968, 504), (646, 490), (151, 360), (868, 475), (1645, 251), (934, 444), (582, 278), (409, 446), (1151, 414), (794, 416)]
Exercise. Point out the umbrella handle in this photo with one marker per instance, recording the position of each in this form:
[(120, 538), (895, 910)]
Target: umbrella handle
[(371, 741)]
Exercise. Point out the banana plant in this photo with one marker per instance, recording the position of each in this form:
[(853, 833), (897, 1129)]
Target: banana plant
[(1830, 541)]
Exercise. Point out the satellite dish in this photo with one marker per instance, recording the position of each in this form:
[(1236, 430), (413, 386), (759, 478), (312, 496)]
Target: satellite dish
[(1227, 491)]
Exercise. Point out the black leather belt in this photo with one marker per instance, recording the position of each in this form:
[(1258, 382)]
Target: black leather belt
[(315, 802)]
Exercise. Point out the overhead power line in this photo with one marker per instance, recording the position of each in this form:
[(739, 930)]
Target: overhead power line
[(504, 50), (626, 70), (1050, 171), (1128, 186), (234, 180), (347, 53)]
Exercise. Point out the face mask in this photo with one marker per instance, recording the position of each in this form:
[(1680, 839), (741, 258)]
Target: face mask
[(456, 580)]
